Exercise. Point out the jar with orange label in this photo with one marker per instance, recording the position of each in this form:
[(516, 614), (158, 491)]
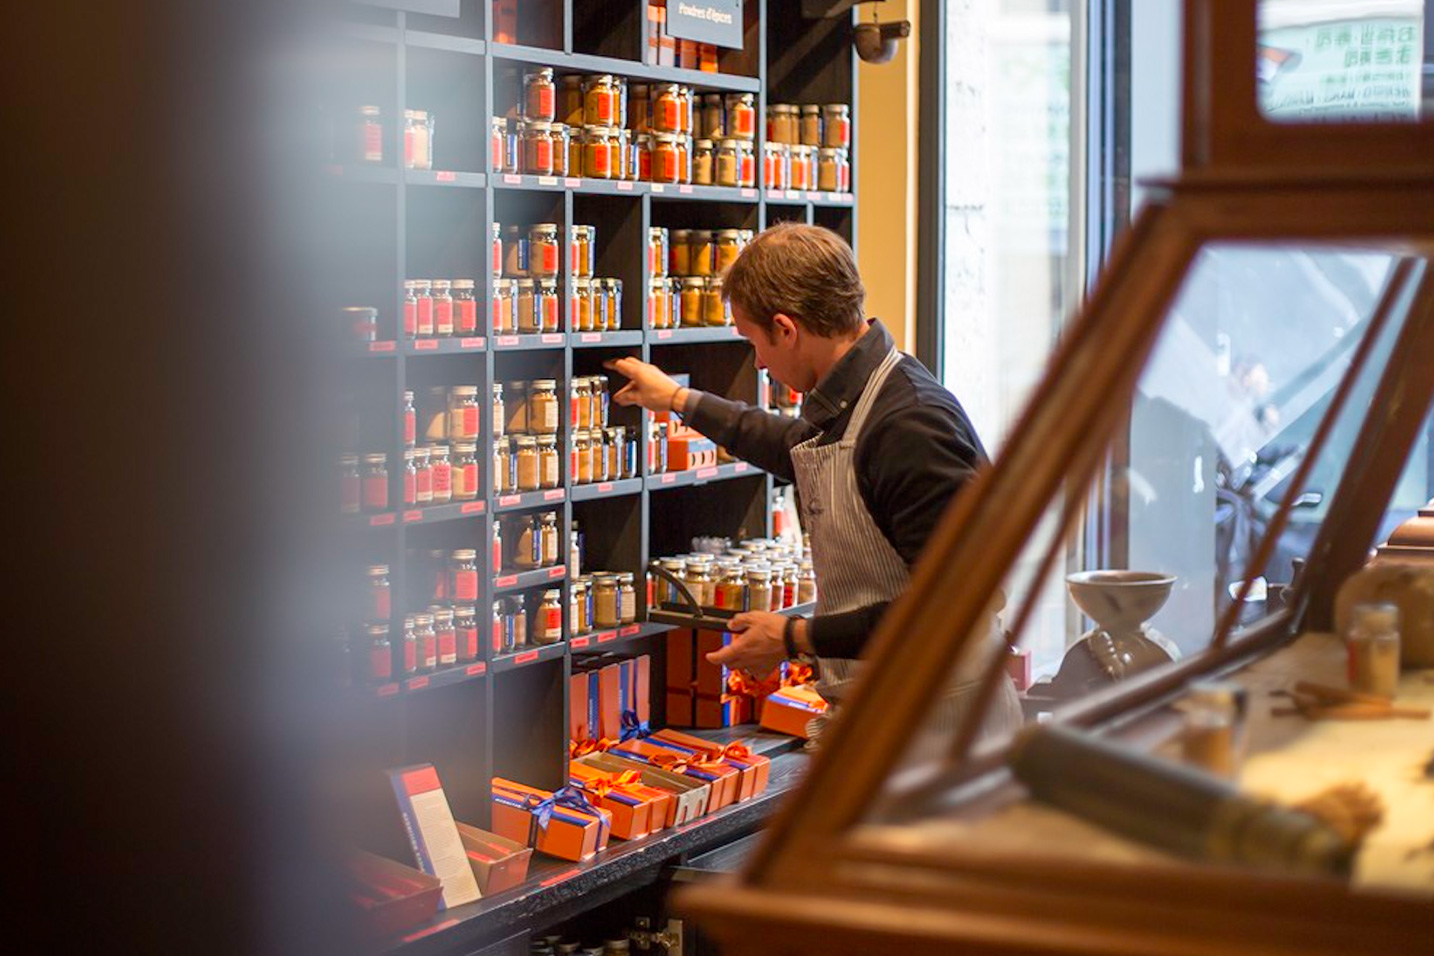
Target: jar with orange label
[(729, 247), (701, 257), (746, 163), (548, 621), (781, 127), (540, 95), (536, 143), (597, 152), (741, 116), (836, 125), (659, 306), (575, 141), (774, 166), (582, 459), (614, 154), (611, 311), (505, 315), (580, 406), (664, 158), (580, 312), (561, 134), (801, 163), (642, 149), (543, 407), (497, 144), (497, 249), (463, 414), (691, 307), (549, 313), (714, 310), (442, 295), (527, 306), (687, 110), (465, 308), (543, 259), (657, 251), (727, 165), (666, 112), (600, 100)]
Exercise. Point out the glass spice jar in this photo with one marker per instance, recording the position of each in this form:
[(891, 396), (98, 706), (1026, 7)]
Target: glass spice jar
[(686, 109), (410, 478), (626, 166), (580, 413), (577, 599), (659, 305), (711, 125), (657, 449), (601, 400), (463, 414), (441, 292), (527, 543), (810, 128), (465, 471), (582, 462), (548, 621), (543, 260), (379, 654), (497, 145), (674, 303), (518, 616), (465, 308), (730, 592), (540, 95), (497, 249), (423, 308), (703, 162), (580, 251), (678, 250), (600, 100), (828, 170), (465, 627), (664, 167), (445, 636), (780, 127), (607, 608), (505, 312), (418, 139), (698, 578), (759, 588), (627, 598), (549, 544), (502, 466), (714, 310), (611, 310), (515, 252), (657, 251), (517, 407), (422, 477), (499, 414), (536, 143), (410, 309), (836, 125), (497, 638), (691, 307), (548, 461), (359, 324), (597, 152), (410, 420), (806, 583), (570, 101), (549, 313), (728, 248), (442, 474), (379, 602), (684, 159), (527, 306), (561, 134), (615, 446), (666, 112), (741, 116), (543, 407), (495, 556), (375, 482), (614, 153), (701, 255), (801, 165), (526, 454), (599, 453), (581, 311), (638, 105), (370, 135), (774, 166), (746, 163), (426, 641)]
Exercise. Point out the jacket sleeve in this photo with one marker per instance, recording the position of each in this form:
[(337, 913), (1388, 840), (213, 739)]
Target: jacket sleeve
[(844, 634), (754, 435)]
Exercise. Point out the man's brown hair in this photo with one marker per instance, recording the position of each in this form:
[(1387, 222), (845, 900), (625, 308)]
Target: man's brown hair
[(805, 272)]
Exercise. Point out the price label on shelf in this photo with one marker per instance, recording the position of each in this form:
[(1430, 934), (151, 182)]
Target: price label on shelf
[(547, 180), (412, 517), (446, 176), (658, 188), (604, 486), (472, 343), (591, 337), (572, 182), (506, 581), (512, 179), (526, 658), (507, 500), (376, 521), (387, 690), (630, 630), (740, 467), (425, 345), (557, 572), (607, 636), (669, 477), (417, 683), (624, 185), (685, 189), (814, 197), (507, 341), (552, 338), (473, 670), (472, 508), (382, 346), (555, 494), (580, 641), (708, 472), (749, 194), (664, 334)]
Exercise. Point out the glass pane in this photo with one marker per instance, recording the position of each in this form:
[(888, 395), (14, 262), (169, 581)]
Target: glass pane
[(1135, 573), (1332, 60)]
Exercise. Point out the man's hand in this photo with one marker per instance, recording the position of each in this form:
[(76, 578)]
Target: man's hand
[(648, 385), (756, 643)]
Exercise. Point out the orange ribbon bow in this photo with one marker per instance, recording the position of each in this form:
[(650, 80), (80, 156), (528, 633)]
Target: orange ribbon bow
[(798, 674), (600, 786), (581, 748)]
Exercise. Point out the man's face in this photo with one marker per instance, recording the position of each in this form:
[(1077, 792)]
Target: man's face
[(778, 351)]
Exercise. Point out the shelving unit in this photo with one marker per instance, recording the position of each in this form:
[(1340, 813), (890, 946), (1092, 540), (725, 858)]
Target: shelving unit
[(506, 714)]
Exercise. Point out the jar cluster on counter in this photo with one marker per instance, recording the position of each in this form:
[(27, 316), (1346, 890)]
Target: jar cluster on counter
[(808, 146), (526, 416), (439, 308), (687, 267), (754, 575)]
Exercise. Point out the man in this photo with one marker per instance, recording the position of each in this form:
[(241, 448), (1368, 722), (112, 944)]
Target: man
[(877, 454)]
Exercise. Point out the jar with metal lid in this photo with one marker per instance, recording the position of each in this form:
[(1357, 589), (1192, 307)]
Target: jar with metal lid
[(426, 641), (730, 590), (526, 547), (801, 166), (465, 471), (791, 584), (378, 605), (686, 110), (527, 467), (499, 415), (701, 254), (410, 478), (410, 309), (562, 135), (550, 545), (627, 598), (518, 622), (408, 649), (627, 166), (810, 125), (580, 251), (714, 310), (423, 307), (781, 123), (657, 251), (679, 241), (725, 164), (729, 247), (548, 618), (548, 474), (828, 170), (711, 125), (375, 482), (579, 401), (664, 167), (577, 607), (540, 95), (674, 299), (698, 578), (774, 166), (465, 627), (614, 153), (502, 466), (759, 587), (515, 252), (543, 407), (657, 449), (664, 593), (600, 457), (463, 413), (378, 654), (549, 311), (665, 115), (746, 163), (642, 153), (741, 116), (615, 445), (580, 311), (610, 306), (442, 469), (622, 99), (570, 99), (582, 461), (465, 308), (517, 403), (527, 306), (836, 125), (505, 306), (601, 402), (703, 162), (684, 159), (445, 637), (692, 288), (543, 258), (497, 142), (463, 575), (600, 100), (370, 135), (659, 305), (536, 143), (607, 609), (423, 477), (597, 152)]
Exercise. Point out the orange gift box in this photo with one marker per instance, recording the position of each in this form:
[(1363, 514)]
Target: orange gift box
[(687, 797), (563, 824), (688, 452), (631, 810), (788, 709), (755, 768), (721, 777), (578, 728), (610, 701), (698, 691), (498, 863)]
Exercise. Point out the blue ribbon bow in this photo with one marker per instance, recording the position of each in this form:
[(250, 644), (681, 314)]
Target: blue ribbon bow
[(632, 728), (570, 798)]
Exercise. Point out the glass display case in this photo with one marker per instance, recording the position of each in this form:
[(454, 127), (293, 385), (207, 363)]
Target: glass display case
[(1227, 757)]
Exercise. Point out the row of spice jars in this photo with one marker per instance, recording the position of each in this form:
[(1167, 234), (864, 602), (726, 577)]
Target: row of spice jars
[(363, 488), (606, 100), (439, 308), (431, 475), (526, 408), (530, 541), (531, 306), (602, 599), (687, 302), (450, 414), (515, 626), (531, 462), (809, 124), (694, 252), (603, 152), (735, 582), (532, 252), (442, 636), (824, 169)]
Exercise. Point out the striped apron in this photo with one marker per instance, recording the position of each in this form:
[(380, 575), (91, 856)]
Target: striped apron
[(857, 566)]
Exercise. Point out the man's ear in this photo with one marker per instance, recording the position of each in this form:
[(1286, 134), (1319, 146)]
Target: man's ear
[(783, 324)]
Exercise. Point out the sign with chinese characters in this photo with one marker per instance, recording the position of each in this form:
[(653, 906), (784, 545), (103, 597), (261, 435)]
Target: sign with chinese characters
[(706, 21), (1366, 69)]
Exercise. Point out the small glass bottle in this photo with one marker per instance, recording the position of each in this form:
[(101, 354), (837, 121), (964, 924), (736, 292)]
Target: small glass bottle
[(806, 583), (379, 604), (727, 165), (698, 578), (657, 251), (441, 474), (409, 654), (543, 407), (836, 125), (1373, 645), (741, 116), (375, 482), (502, 467), (540, 95), (580, 406), (505, 316), (548, 619), (577, 597), (463, 413), (427, 642), (370, 135), (463, 575), (730, 593), (500, 639), (728, 248), (600, 101), (410, 420), (465, 471), (548, 473), (526, 454), (518, 612), (615, 444), (549, 542), (410, 309), (597, 153), (547, 305), (582, 463), (580, 313), (704, 162), (497, 142), (422, 476), (580, 251), (543, 258), (701, 254), (627, 598), (607, 610), (350, 485), (465, 308), (410, 477), (445, 636), (380, 654), (811, 125), (527, 307), (465, 627), (759, 588)]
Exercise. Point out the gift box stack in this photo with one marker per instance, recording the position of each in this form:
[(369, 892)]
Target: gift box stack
[(703, 694)]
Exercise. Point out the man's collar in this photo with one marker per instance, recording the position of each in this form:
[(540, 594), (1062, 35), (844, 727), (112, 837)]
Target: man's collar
[(840, 388)]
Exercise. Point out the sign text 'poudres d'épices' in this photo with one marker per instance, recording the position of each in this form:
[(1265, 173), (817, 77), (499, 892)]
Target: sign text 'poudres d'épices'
[(706, 21)]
